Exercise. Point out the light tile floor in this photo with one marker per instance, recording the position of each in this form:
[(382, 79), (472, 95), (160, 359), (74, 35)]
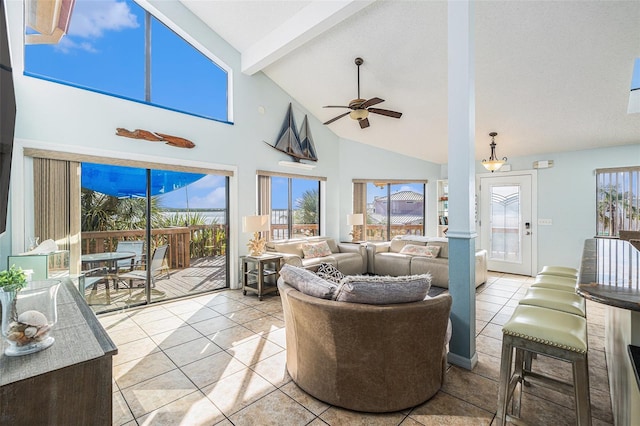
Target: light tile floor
[(220, 359)]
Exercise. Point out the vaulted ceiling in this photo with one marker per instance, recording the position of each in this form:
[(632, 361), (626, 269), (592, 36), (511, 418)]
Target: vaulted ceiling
[(550, 75)]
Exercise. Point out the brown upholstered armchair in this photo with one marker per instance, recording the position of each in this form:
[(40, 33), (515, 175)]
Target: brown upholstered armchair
[(373, 358)]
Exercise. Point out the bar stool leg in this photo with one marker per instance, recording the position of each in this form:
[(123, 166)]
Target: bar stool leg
[(505, 378), (581, 389), (517, 391)]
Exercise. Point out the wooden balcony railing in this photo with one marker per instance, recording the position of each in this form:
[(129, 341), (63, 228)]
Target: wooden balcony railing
[(185, 243), (373, 232)]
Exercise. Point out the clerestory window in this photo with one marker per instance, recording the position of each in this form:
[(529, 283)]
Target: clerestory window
[(115, 47)]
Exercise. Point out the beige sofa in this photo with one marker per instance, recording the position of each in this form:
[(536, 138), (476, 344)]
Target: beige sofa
[(385, 259), (373, 358), (350, 259)]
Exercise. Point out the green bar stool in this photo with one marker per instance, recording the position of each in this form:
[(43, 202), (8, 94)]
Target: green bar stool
[(559, 271), (558, 300), (555, 283), (546, 332)]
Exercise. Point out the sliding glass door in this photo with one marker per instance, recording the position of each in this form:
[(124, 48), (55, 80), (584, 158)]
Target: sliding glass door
[(150, 235)]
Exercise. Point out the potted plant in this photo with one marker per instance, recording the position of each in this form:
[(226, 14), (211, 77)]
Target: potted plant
[(12, 281), (28, 312)]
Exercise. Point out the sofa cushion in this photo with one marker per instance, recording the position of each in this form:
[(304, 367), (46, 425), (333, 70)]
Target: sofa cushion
[(397, 244), (416, 250), (307, 282), (394, 264), (319, 249), (329, 272), (288, 247), (385, 290), (330, 242), (444, 248)]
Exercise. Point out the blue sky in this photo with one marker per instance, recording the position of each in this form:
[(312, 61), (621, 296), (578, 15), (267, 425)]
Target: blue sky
[(635, 80), (104, 50), (280, 191), (375, 191), (205, 193)]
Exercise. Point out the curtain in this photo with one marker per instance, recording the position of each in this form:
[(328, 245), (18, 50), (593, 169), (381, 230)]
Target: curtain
[(57, 205), (360, 204), (264, 197)]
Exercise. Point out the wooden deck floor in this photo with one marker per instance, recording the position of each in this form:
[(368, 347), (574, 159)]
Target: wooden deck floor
[(204, 274)]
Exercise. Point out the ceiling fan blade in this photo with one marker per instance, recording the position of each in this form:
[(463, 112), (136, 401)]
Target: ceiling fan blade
[(336, 106), (336, 118), (386, 112), (364, 123), (371, 102)]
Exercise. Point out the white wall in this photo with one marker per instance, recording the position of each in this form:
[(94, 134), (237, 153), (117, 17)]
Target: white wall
[(359, 161), (567, 196), (65, 118)]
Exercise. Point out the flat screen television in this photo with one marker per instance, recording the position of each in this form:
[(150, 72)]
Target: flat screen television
[(7, 119)]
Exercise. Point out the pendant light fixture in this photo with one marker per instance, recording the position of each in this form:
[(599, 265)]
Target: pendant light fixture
[(493, 163)]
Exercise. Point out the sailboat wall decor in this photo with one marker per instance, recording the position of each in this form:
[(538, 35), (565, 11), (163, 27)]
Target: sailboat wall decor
[(298, 146), (306, 141)]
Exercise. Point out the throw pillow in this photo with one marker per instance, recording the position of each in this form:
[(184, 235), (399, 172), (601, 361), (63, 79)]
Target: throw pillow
[(307, 282), (415, 250), (320, 249), (329, 272), (376, 290)]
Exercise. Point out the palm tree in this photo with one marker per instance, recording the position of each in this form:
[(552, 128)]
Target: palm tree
[(101, 212), (613, 208), (307, 207)]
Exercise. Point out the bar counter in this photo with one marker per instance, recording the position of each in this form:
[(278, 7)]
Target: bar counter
[(610, 274)]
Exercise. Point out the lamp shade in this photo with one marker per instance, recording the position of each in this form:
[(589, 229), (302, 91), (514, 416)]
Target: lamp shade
[(359, 114), (493, 165), (355, 219), (256, 223)]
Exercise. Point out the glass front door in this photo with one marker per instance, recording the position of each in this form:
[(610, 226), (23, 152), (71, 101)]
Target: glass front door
[(506, 223)]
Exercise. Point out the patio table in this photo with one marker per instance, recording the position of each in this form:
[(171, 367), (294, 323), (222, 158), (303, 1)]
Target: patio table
[(110, 260)]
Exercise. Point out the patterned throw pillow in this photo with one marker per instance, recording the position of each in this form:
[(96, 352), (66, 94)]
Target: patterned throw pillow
[(378, 290), (307, 282), (329, 272), (320, 249), (415, 250)]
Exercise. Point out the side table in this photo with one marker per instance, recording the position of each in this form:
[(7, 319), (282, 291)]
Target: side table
[(260, 274)]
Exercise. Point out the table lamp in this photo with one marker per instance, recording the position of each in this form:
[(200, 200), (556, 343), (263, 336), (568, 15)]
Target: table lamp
[(256, 224), (355, 220)]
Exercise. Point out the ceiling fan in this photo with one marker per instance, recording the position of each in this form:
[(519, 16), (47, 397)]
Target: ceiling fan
[(360, 108)]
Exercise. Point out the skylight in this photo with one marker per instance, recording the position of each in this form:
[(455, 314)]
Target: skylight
[(634, 96)]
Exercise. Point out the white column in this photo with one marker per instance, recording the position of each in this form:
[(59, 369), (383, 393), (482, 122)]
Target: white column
[(462, 233)]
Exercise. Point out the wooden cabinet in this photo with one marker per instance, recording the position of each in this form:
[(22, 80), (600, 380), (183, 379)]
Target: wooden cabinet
[(69, 383), (443, 207)]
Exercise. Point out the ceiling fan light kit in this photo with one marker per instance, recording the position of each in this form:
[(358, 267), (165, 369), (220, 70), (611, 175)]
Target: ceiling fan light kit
[(493, 163), (359, 114), (360, 108)]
